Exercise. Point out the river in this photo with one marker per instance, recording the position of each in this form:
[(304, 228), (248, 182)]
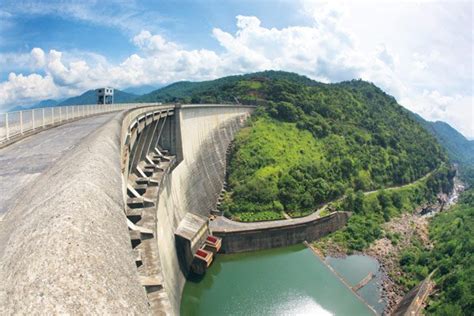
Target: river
[(283, 281)]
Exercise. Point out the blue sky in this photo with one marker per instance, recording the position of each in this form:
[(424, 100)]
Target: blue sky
[(418, 51)]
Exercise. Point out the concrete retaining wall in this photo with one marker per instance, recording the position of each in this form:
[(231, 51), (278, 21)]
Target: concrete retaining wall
[(257, 239), (194, 185)]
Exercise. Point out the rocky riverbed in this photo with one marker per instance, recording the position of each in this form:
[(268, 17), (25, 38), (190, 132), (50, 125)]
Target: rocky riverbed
[(400, 233)]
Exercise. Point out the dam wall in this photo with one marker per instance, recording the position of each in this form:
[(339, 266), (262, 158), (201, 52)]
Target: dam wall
[(67, 248), (268, 236), (194, 184)]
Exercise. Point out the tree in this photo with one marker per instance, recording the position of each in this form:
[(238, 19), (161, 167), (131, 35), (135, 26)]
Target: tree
[(359, 202), (384, 199), (287, 111), (349, 200), (397, 200)]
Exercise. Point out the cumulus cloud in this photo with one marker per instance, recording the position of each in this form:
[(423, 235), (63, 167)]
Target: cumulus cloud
[(37, 54), (25, 89)]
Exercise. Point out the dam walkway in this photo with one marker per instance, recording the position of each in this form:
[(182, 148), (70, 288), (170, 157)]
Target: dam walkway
[(22, 162)]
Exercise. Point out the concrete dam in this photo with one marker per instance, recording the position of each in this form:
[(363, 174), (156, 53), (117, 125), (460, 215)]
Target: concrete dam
[(89, 227)]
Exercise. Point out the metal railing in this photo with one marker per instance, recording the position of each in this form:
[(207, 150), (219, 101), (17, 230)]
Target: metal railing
[(18, 123)]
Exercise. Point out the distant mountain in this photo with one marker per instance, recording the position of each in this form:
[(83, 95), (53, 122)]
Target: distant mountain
[(45, 103), (41, 104), (187, 91), (459, 148), (89, 97), (139, 90)]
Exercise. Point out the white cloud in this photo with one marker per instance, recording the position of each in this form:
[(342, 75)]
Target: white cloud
[(20, 89), (38, 57), (75, 73), (417, 63)]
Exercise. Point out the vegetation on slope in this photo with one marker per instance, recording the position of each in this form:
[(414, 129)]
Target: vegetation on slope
[(221, 90), (371, 210), (308, 143), (452, 256)]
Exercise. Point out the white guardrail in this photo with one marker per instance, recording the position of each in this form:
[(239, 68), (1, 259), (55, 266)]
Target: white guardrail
[(18, 123)]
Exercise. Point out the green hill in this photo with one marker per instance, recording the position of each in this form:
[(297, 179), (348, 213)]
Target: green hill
[(349, 145), (89, 97), (217, 91), (309, 142)]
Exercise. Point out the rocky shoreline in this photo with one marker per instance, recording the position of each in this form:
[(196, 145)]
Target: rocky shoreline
[(387, 253)]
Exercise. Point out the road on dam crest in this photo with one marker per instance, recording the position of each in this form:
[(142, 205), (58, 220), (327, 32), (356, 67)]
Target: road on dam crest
[(22, 162)]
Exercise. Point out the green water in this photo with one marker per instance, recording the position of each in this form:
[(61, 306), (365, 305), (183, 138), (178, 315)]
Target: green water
[(285, 281)]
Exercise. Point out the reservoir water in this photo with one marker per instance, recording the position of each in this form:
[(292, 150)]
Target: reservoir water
[(284, 281)]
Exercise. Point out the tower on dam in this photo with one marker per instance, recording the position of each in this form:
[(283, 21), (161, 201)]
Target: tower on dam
[(105, 95)]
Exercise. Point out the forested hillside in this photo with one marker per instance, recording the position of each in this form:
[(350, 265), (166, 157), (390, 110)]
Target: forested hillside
[(223, 90)]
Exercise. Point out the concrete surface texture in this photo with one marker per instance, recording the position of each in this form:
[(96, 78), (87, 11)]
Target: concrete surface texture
[(194, 185), (65, 243), (22, 162)]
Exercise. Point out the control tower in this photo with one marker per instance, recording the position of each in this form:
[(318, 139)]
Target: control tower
[(105, 95)]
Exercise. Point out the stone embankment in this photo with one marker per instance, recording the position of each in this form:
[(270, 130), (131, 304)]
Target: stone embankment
[(413, 302)]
